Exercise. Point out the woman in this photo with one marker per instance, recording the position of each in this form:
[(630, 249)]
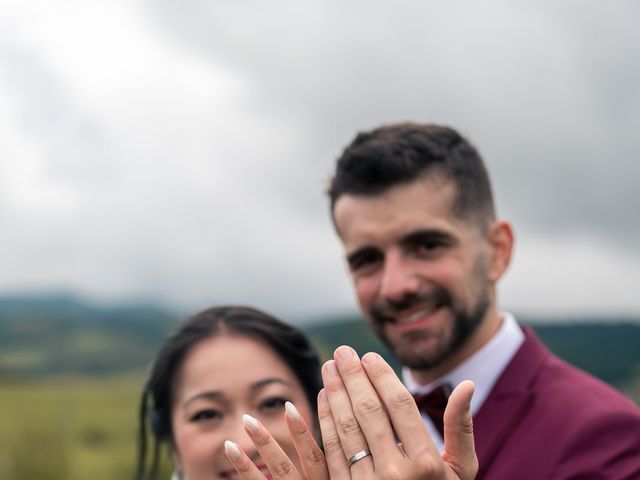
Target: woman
[(217, 393), (220, 364)]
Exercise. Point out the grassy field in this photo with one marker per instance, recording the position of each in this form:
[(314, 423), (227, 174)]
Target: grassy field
[(69, 429), (79, 428)]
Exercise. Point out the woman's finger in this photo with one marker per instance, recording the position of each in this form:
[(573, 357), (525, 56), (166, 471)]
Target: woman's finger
[(312, 458), (247, 470), (459, 446), (279, 464)]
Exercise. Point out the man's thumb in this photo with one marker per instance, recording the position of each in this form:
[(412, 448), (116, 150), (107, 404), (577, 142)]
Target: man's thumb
[(459, 448)]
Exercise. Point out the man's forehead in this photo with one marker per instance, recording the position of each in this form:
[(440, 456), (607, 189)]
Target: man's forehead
[(423, 203), (428, 193)]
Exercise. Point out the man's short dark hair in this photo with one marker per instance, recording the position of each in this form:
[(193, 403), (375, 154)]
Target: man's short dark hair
[(396, 154)]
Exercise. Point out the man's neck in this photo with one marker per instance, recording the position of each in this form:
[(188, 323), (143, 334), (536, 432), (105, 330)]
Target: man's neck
[(485, 332)]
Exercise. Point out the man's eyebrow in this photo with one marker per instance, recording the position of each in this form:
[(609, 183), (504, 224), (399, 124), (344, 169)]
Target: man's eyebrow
[(366, 250), (431, 234)]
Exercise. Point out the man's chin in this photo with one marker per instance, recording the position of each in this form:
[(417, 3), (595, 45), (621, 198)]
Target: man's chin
[(420, 354), (421, 360)]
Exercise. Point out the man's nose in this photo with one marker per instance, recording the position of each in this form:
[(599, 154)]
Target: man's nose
[(398, 278)]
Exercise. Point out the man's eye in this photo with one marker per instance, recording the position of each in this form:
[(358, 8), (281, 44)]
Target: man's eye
[(273, 404), (364, 261), (205, 415), (428, 246)]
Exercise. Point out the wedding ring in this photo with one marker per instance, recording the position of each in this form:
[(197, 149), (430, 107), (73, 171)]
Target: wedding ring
[(358, 456)]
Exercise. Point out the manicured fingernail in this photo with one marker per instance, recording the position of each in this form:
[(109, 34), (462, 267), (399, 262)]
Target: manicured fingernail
[(344, 352), (232, 450), (251, 423), (292, 411)]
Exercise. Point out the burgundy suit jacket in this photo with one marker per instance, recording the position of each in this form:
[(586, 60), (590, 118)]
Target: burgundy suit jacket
[(545, 419)]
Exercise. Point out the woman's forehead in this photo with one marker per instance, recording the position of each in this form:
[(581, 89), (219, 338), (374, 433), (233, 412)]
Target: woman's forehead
[(230, 361)]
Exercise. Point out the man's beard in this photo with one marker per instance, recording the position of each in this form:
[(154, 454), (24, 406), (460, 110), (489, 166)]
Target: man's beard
[(464, 325)]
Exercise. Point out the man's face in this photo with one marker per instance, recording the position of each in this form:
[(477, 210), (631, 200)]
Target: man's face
[(420, 272)]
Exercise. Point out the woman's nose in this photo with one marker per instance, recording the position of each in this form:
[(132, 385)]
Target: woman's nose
[(237, 433)]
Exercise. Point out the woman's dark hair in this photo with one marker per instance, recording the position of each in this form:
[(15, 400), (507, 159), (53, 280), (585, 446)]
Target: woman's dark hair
[(289, 343)]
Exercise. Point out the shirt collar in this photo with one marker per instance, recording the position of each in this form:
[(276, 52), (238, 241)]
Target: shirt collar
[(483, 368)]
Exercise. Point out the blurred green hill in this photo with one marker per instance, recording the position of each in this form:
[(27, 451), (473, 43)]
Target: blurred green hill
[(45, 336), (48, 336), (610, 351), (71, 374)]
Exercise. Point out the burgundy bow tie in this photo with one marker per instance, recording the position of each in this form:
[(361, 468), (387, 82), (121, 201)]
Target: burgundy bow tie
[(434, 403)]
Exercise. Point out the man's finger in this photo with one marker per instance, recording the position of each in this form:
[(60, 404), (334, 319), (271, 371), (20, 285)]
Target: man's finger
[(367, 406), (334, 455), (459, 446), (347, 426), (400, 405)]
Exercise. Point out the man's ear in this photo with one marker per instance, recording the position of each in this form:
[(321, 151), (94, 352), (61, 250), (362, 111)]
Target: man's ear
[(501, 242)]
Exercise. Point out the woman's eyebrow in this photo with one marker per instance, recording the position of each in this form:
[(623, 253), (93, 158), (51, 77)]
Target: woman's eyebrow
[(208, 395), (218, 395), (268, 381)]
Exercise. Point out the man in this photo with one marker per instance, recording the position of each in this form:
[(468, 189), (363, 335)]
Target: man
[(413, 207)]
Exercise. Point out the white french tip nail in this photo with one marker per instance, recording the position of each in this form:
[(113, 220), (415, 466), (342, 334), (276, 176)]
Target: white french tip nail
[(251, 423), (292, 411), (232, 450)]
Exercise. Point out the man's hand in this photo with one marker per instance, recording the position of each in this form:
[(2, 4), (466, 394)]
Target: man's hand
[(364, 408)]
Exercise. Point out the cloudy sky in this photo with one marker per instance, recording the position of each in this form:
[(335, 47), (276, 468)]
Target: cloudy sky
[(178, 151)]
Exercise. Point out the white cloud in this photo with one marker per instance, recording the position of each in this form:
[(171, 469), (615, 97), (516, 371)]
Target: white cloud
[(179, 151), (566, 275)]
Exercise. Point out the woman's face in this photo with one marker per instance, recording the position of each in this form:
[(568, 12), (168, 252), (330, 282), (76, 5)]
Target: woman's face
[(222, 378)]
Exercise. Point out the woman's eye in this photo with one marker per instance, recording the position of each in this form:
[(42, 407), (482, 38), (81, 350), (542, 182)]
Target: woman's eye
[(205, 415), (273, 404)]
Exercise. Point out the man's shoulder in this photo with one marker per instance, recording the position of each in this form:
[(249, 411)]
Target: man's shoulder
[(570, 386), (557, 421), (600, 427), (563, 386)]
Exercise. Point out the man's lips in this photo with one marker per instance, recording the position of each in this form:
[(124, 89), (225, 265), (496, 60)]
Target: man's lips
[(414, 318), (409, 315)]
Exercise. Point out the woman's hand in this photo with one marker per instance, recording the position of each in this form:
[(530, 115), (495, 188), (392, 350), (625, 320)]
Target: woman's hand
[(312, 459)]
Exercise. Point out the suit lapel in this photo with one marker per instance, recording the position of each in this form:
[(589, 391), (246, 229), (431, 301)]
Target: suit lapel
[(508, 402)]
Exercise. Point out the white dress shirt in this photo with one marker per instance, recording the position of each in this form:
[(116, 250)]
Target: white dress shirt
[(483, 368)]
